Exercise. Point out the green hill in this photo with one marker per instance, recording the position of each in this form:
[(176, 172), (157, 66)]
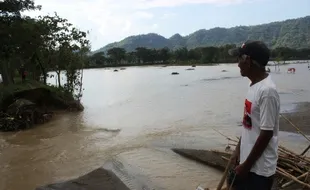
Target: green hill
[(293, 33)]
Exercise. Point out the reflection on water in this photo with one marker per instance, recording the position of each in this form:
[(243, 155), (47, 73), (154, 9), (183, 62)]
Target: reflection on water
[(132, 117)]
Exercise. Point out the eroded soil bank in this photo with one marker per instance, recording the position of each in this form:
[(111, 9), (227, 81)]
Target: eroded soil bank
[(28, 103)]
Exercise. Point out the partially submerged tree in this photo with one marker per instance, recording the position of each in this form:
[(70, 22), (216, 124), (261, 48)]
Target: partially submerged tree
[(41, 45)]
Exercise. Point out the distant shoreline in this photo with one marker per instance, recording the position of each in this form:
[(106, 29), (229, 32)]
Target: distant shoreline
[(190, 64)]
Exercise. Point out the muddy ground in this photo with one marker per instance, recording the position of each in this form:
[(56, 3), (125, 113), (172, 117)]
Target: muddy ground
[(300, 118)]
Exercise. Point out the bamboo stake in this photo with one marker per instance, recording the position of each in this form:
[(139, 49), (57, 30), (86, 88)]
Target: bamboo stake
[(305, 151), (224, 158), (289, 176), (292, 181), (289, 163), (293, 167), (306, 179), (284, 159), (298, 130), (230, 162), (228, 138), (290, 153), (286, 150)]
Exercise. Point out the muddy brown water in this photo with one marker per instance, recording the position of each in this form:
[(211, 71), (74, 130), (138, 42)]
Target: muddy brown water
[(133, 117)]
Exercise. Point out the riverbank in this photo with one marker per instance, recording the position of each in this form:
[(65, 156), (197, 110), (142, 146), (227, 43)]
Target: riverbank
[(28, 103), (103, 178)]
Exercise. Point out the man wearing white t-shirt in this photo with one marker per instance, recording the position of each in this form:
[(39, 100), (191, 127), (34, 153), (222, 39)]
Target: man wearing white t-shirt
[(257, 151)]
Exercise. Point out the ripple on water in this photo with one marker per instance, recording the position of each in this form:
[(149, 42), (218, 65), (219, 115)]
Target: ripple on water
[(220, 78)]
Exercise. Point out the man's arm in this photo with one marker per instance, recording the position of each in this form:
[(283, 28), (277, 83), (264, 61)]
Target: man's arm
[(269, 109), (259, 147)]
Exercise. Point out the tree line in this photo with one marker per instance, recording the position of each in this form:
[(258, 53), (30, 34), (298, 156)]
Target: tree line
[(51, 43), (39, 45), (200, 55)]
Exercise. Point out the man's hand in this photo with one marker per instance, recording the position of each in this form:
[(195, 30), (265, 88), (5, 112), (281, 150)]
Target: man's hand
[(242, 170)]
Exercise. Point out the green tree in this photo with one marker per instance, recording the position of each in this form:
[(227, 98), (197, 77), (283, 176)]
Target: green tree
[(181, 54), (98, 59), (164, 54), (209, 54), (142, 54), (60, 34), (117, 54), (131, 57), (47, 43), (12, 30)]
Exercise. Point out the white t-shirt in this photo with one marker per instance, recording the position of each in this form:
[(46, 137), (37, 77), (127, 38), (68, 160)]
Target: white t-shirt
[(261, 112)]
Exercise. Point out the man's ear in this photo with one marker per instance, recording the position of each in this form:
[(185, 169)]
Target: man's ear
[(248, 58), (249, 61)]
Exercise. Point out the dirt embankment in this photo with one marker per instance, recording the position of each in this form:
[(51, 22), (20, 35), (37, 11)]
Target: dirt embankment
[(25, 105)]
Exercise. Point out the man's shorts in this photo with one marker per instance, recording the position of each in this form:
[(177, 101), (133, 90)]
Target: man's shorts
[(251, 182)]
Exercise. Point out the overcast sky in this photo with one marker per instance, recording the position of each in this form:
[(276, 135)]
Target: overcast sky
[(112, 20)]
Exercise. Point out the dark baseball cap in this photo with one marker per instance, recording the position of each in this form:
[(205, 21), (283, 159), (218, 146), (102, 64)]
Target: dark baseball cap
[(257, 51)]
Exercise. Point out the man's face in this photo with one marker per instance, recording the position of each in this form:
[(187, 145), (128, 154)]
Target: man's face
[(244, 65)]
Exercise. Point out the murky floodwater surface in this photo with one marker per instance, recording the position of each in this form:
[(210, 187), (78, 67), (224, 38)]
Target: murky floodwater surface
[(133, 117)]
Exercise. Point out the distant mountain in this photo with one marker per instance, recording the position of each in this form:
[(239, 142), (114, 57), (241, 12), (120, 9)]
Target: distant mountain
[(293, 33)]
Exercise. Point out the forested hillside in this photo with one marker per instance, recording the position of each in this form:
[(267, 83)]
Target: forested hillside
[(292, 33)]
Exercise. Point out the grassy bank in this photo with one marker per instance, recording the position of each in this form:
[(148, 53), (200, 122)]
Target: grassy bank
[(20, 86)]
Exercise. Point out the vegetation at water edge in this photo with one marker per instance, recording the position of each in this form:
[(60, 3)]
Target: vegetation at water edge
[(30, 49), (201, 55)]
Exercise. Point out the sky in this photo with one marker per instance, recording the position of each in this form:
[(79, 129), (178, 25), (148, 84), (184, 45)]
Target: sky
[(113, 20)]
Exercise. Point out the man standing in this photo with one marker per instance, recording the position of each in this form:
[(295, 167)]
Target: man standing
[(257, 150)]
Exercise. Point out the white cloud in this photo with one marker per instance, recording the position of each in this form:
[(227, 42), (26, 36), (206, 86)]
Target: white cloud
[(146, 4), (168, 15), (143, 15), (154, 26), (112, 20)]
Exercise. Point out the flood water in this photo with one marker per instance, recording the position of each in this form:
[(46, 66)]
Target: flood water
[(134, 117)]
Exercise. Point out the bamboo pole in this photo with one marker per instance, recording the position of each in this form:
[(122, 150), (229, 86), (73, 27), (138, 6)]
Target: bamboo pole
[(292, 154), (228, 138), (230, 162), (289, 176), (298, 130), (293, 167), (288, 164), (292, 181), (307, 176), (305, 151)]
